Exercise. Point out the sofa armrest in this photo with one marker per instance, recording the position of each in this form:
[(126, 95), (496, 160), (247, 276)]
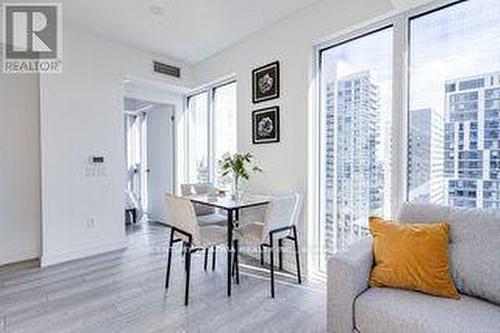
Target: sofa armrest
[(348, 275)]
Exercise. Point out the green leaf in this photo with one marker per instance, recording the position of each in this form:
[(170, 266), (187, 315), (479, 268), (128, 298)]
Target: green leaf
[(238, 165)]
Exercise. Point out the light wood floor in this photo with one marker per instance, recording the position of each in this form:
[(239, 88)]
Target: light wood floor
[(124, 292)]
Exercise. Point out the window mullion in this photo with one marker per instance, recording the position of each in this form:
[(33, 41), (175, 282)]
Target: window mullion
[(187, 127), (211, 136), (399, 115)]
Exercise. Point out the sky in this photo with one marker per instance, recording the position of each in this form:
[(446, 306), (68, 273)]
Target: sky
[(458, 41)]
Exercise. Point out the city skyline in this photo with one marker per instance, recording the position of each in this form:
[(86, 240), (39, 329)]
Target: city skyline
[(354, 175)]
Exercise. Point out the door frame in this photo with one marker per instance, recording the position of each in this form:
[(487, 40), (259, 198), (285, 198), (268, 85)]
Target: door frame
[(143, 173)]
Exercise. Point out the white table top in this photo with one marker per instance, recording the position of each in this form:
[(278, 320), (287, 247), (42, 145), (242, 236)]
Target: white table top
[(226, 202)]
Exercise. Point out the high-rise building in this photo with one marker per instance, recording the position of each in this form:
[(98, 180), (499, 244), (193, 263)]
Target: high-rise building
[(354, 176), (472, 142), (419, 154), (425, 156)]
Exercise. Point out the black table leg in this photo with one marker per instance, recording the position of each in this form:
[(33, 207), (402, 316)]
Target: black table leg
[(229, 249)]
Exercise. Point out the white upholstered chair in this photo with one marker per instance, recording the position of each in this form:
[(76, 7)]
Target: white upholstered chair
[(206, 214), (182, 219), (278, 224)]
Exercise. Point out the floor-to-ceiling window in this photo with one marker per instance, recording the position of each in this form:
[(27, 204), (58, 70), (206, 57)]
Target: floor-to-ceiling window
[(198, 143), (224, 125), (409, 110), (356, 82), (211, 131), (454, 98)]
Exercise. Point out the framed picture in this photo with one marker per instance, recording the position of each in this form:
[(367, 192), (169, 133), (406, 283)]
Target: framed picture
[(266, 82), (266, 125)]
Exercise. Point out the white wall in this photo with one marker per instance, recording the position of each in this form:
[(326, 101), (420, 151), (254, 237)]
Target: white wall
[(81, 115), (20, 214), (291, 42)]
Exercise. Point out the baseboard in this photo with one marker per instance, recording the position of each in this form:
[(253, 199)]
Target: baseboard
[(18, 256), (58, 258)]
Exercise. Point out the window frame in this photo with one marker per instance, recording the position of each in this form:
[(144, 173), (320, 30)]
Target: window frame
[(188, 129), (210, 91), (400, 115), (213, 167), (369, 30)]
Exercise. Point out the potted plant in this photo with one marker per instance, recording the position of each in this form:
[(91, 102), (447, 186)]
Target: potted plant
[(238, 167)]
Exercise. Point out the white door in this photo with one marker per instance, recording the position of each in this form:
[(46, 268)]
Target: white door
[(160, 159)]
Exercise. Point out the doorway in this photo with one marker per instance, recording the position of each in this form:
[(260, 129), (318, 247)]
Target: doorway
[(149, 151)]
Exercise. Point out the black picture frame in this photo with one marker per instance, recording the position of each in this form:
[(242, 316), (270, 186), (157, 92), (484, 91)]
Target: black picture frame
[(266, 82), (266, 125)]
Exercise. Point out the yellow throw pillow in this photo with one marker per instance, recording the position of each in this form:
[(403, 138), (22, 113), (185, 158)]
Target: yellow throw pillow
[(412, 256)]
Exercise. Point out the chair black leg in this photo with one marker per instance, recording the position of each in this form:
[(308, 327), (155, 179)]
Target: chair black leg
[(169, 260), (213, 258), (134, 216), (233, 267), (280, 253), (262, 255), (296, 241), (236, 264), (206, 259), (271, 250), (188, 271)]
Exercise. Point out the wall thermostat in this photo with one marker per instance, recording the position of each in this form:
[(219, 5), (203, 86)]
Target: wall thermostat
[(96, 159), (96, 166)]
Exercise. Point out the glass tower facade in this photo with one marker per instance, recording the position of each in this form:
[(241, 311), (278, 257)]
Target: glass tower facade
[(354, 176), (419, 154), (472, 143)]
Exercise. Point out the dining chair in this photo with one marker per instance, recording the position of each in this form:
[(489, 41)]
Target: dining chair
[(278, 224), (200, 188), (194, 237), (206, 215)]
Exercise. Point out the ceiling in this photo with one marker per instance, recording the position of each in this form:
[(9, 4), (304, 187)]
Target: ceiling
[(405, 4), (186, 30)]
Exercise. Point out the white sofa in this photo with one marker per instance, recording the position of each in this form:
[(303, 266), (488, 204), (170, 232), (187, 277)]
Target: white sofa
[(475, 264)]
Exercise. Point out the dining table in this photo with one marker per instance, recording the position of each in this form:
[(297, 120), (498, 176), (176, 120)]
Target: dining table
[(232, 206)]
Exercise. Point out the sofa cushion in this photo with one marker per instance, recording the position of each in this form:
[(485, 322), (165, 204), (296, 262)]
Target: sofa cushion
[(474, 245), (403, 252), (393, 310)]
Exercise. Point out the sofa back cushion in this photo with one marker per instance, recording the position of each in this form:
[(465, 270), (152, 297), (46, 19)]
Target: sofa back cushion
[(474, 245)]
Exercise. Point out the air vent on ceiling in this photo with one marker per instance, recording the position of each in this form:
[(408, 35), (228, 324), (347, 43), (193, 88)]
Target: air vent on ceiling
[(165, 69)]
